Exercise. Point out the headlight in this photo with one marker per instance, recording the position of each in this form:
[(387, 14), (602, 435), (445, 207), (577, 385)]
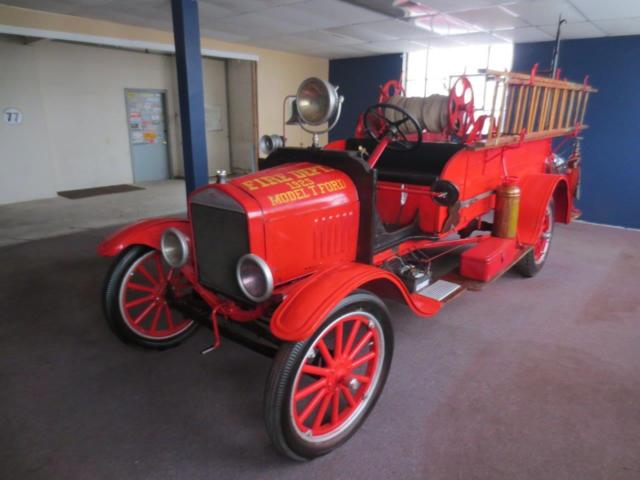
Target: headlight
[(557, 164), (174, 246), (254, 277), (269, 143), (316, 101)]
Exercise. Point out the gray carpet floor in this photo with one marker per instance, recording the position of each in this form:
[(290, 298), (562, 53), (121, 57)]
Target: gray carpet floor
[(528, 379)]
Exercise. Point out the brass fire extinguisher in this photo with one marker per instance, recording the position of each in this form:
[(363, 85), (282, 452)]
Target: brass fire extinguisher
[(505, 217)]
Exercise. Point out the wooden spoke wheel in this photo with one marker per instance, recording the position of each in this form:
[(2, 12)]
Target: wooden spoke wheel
[(533, 261), (135, 299), (321, 390)]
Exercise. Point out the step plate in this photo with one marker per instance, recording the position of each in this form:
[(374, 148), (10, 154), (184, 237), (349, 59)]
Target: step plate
[(440, 290)]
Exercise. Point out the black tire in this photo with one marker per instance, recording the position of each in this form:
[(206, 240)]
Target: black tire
[(278, 405), (112, 306), (530, 265)]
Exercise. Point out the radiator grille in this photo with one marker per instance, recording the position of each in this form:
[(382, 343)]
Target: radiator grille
[(221, 238)]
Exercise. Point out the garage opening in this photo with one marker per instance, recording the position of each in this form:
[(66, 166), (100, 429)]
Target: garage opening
[(101, 116)]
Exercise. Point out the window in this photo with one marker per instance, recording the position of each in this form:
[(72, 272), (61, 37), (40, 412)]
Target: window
[(429, 71)]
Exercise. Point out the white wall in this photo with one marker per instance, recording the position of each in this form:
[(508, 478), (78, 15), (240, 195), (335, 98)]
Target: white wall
[(75, 131), (240, 77), (25, 167)]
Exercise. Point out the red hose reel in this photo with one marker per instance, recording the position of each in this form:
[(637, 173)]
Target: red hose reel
[(461, 110)]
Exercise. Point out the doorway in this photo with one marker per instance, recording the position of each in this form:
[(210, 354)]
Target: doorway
[(147, 125)]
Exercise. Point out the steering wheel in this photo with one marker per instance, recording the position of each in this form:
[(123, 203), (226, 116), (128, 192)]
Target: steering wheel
[(377, 125), (461, 107)]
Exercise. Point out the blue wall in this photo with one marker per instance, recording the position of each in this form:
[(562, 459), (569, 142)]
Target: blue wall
[(359, 79), (611, 146)]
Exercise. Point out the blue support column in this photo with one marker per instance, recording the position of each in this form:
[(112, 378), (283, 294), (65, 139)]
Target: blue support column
[(186, 32)]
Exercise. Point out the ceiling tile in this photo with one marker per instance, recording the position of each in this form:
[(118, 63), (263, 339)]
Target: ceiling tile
[(399, 29), (236, 7), (249, 26), (56, 6), (461, 5), (624, 26), (524, 35), (315, 15), (338, 52), (478, 38), (574, 30), (394, 46), (208, 11), (365, 32), (493, 18), (395, 8), (330, 38), (445, 24), (608, 9), (308, 40), (545, 12)]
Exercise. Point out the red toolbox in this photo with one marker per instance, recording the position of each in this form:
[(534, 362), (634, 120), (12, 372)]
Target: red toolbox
[(488, 259)]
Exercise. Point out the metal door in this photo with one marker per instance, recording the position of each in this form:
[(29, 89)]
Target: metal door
[(146, 120)]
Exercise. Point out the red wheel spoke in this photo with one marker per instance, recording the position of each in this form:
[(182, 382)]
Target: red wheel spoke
[(361, 378), (156, 317), (324, 406), (335, 407), (142, 269), (313, 370), (160, 270), (170, 274), (352, 335), (363, 341), (143, 305), (309, 389), (339, 333), (311, 406), (145, 312), (169, 317), (140, 288), (138, 301), (324, 351), (347, 394), (362, 360)]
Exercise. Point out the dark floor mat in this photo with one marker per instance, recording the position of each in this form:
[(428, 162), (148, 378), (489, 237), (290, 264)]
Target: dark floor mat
[(94, 192)]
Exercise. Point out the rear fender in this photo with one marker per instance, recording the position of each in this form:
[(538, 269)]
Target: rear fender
[(311, 301), (145, 232), (536, 192)]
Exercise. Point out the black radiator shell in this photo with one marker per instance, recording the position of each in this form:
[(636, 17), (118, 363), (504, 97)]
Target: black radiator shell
[(221, 237)]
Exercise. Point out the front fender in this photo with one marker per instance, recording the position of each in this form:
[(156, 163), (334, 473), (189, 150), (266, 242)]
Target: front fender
[(145, 232), (536, 192), (310, 301)]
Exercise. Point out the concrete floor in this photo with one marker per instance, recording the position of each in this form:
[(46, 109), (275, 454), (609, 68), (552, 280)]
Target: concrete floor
[(25, 221), (528, 379)]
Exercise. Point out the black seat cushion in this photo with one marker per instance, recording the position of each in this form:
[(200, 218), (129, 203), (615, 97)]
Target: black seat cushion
[(402, 176), (419, 167)]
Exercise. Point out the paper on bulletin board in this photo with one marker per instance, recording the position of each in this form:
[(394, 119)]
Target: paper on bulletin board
[(150, 136), (213, 118), (137, 137)]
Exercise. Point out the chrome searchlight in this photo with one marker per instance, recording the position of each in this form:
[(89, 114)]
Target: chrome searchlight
[(316, 101)]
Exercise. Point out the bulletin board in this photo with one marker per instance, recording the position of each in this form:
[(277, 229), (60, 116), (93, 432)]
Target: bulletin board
[(146, 120)]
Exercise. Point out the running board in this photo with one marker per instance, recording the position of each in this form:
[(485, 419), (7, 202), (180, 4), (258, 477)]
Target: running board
[(441, 290), (453, 284)]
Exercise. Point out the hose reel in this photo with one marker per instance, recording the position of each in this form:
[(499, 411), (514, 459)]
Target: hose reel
[(453, 113)]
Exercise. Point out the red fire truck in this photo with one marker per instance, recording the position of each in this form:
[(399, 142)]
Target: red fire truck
[(297, 260)]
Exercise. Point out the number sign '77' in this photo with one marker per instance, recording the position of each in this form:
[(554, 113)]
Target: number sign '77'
[(12, 116)]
